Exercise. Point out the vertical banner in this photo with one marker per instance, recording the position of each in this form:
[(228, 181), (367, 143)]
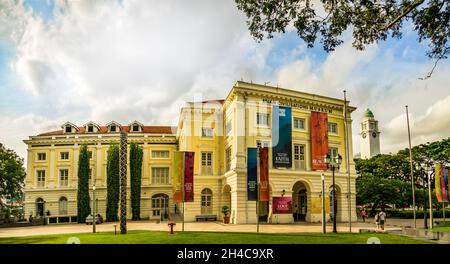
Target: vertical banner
[(437, 182), (447, 185), (444, 182), (188, 176), (281, 136), (177, 173), (319, 139), (252, 174), (264, 174), (282, 205)]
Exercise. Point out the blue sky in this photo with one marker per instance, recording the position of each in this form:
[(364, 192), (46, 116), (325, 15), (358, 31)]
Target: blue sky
[(79, 64)]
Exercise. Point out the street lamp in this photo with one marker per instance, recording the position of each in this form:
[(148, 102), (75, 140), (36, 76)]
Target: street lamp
[(428, 168), (93, 205), (333, 162), (324, 228)]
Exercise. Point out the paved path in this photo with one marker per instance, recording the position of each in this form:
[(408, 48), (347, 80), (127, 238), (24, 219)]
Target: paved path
[(196, 226)]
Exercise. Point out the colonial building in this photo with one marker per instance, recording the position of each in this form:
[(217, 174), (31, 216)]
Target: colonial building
[(219, 133)]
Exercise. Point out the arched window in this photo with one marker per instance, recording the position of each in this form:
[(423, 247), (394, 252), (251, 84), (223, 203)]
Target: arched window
[(63, 205), (206, 202), (160, 205), (40, 206)]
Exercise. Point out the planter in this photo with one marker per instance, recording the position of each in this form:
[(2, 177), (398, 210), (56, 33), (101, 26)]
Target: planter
[(226, 219)]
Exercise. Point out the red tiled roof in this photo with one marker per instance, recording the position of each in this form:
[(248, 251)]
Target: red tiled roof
[(104, 130)]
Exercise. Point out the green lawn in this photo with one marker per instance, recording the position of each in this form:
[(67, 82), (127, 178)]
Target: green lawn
[(445, 228), (157, 237)]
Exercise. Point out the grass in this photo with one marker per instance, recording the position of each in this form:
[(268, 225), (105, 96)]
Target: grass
[(445, 228), (158, 237)]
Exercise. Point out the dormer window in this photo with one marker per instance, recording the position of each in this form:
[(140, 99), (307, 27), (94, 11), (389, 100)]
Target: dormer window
[(135, 128), (112, 128), (90, 129), (68, 129)]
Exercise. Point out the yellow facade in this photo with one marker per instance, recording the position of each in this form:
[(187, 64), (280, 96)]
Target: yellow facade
[(219, 133)]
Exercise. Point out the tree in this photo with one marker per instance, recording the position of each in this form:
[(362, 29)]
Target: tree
[(112, 196), (371, 21), (83, 205), (12, 173), (136, 176)]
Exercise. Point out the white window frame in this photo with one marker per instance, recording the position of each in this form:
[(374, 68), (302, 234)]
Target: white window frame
[(260, 120), (62, 205), (63, 154), (64, 182), (299, 157), (207, 132), (262, 143), (40, 178), (40, 154), (160, 179), (206, 162), (330, 125), (333, 152), (160, 156), (298, 119)]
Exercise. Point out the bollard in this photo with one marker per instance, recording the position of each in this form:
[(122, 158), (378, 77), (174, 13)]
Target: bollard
[(171, 224), (115, 229)]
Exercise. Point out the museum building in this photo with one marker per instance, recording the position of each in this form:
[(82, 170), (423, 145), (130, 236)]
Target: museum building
[(219, 133)]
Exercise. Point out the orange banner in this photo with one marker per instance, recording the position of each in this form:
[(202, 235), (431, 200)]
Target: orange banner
[(264, 174), (319, 139)]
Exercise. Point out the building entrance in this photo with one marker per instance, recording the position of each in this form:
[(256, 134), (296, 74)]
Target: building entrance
[(160, 206)]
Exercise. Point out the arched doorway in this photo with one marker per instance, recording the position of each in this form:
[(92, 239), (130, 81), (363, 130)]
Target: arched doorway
[(300, 201), (63, 206), (40, 206), (160, 206), (226, 198), (206, 201), (334, 203)]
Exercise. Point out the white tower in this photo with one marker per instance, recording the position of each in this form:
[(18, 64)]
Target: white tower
[(370, 136)]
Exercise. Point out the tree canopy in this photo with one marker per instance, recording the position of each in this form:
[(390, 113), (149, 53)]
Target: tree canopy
[(12, 173), (370, 21)]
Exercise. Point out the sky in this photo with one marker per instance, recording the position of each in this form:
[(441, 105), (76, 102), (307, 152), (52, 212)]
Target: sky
[(125, 60)]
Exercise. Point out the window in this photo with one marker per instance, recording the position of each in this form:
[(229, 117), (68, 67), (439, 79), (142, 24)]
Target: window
[(262, 119), (63, 206), (206, 202), (207, 132), (333, 152), (112, 128), (262, 144), (160, 154), (41, 156), (90, 129), (135, 128), (68, 129), (160, 175), (40, 178), (206, 163), (299, 123), (332, 128), (229, 127), (160, 203), (228, 159), (90, 154), (64, 178), (299, 157), (64, 155), (90, 176)]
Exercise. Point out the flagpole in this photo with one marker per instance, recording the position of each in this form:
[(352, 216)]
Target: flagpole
[(411, 168), (347, 154), (182, 191), (257, 189)]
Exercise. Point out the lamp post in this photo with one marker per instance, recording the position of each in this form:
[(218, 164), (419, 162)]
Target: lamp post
[(430, 205), (324, 227), (332, 163), (93, 205), (425, 223)]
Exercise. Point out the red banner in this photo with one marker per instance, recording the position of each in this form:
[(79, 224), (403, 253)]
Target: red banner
[(264, 175), (282, 205), (189, 176), (319, 139)]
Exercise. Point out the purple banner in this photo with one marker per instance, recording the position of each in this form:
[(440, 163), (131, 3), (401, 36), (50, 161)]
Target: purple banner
[(282, 205), (189, 176)]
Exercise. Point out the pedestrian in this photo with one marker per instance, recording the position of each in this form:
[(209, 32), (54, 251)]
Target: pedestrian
[(377, 220), (382, 219), (30, 219), (363, 215)]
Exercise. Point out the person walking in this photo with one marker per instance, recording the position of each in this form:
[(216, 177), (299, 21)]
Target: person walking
[(382, 219), (377, 220), (363, 215)]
